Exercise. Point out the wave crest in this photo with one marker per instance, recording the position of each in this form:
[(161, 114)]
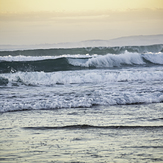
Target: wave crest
[(69, 62)]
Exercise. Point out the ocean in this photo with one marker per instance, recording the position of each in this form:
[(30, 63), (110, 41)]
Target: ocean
[(86, 104)]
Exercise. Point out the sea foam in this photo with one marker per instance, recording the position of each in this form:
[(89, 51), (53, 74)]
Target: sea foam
[(79, 77)]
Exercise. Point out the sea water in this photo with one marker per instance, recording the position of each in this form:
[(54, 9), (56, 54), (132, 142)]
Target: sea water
[(100, 104)]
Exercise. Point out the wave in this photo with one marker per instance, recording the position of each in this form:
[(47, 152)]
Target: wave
[(85, 50), (78, 101), (85, 126), (49, 65), (80, 77), (77, 62), (80, 89)]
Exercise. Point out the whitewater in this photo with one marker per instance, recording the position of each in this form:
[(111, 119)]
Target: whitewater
[(127, 77), (82, 103)]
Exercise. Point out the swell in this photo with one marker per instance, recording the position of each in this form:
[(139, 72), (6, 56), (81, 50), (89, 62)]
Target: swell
[(47, 65), (78, 62), (85, 126), (88, 50)]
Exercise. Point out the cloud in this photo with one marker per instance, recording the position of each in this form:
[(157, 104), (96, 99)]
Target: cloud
[(46, 27), (127, 15)]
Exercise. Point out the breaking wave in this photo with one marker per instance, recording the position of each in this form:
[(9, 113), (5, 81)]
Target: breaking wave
[(78, 77), (76, 89), (40, 79), (69, 62)]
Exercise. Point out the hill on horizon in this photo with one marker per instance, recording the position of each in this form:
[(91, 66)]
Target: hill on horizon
[(138, 40)]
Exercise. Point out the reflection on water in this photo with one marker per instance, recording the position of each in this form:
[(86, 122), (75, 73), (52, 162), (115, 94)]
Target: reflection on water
[(23, 138)]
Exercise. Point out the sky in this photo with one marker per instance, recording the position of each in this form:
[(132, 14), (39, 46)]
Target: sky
[(25, 22)]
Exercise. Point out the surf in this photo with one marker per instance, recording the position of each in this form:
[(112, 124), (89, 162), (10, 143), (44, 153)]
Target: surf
[(11, 64)]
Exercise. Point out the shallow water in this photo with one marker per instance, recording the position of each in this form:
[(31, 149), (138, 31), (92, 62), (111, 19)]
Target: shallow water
[(124, 133)]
